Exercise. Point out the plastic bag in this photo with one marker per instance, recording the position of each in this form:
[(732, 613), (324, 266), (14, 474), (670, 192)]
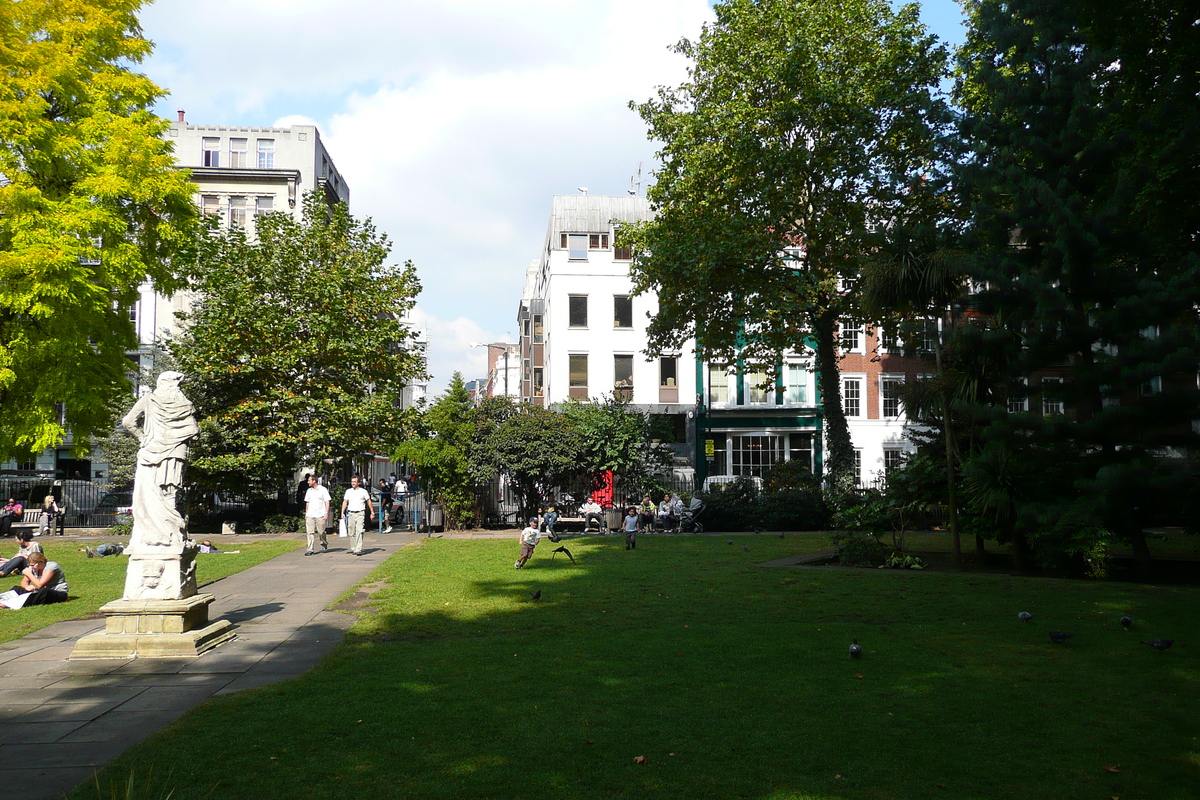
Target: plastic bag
[(342, 528)]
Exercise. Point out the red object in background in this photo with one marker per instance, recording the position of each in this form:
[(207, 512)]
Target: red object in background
[(604, 495)]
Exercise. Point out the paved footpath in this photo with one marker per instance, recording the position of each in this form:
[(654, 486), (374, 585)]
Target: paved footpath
[(64, 719)]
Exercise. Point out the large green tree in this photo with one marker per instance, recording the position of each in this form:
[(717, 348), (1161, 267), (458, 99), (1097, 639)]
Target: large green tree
[(1084, 129), (438, 448), (804, 127), (294, 346), (91, 207)]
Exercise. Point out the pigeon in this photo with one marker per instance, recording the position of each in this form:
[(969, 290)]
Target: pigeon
[(1126, 621), (564, 551), (855, 649), (1024, 616), (757, 530), (745, 549), (781, 534), (1159, 644), (731, 541), (536, 595), (1058, 637)]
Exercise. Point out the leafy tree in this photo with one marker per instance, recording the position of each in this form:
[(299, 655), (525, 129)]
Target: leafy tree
[(440, 450), (295, 346), (1083, 125), (91, 207), (616, 437), (804, 127), (537, 448)]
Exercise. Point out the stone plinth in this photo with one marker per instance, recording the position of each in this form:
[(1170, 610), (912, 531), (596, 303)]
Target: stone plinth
[(155, 629)]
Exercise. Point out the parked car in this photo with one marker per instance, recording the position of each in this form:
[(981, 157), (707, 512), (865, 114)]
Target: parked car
[(119, 504)]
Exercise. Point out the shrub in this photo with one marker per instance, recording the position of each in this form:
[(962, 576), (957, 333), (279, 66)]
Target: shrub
[(794, 509), (859, 549), (277, 523)]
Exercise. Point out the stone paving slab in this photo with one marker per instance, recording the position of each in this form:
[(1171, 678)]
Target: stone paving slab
[(72, 717)]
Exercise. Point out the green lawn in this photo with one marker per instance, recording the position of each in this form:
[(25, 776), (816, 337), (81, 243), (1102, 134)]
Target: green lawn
[(96, 581), (730, 679)]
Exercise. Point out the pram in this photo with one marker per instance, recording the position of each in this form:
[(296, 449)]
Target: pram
[(688, 522)]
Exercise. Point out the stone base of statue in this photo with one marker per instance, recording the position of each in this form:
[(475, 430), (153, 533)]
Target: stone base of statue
[(155, 629)]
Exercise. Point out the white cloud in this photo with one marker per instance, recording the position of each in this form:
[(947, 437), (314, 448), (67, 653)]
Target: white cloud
[(453, 122)]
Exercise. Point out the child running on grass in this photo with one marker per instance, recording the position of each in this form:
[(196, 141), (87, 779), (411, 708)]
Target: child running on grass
[(631, 528), (529, 540)]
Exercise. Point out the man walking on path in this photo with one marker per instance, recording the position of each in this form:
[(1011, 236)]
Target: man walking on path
[(355, 506), (316, 515)]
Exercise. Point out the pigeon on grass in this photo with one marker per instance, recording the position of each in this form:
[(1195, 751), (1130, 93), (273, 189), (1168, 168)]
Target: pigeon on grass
[(536, 595), (1159, 644), (564, 551), (1025, 616), (1058, 637), (855, 649), (1126, 622)]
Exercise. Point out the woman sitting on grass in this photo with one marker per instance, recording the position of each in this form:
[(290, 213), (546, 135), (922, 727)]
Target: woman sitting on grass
[(21, 560), (43, 583)]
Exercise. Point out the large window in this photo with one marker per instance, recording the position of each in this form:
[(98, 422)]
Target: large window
[(577, 310), (668, 379), (1018, 400), (929, 336), (852, 397), (210, 206), (577, 245), (237, 212), (851, 336), (889, 394), (888, 341), (759, 388), (623, 377), (238, 153), (797, 384), (578, 374), (754, 455), (857, 467), (1051, 401), (718, 384), (539, 331), (263, 206), (538, 381), (893, 459), (622, 311), (266, 154), (211, 151), (800, 449)]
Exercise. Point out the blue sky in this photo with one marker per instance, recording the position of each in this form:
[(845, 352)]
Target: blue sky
[(453, 122)]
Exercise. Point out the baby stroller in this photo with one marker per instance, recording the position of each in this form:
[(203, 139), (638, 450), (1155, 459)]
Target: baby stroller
[(688, 522)]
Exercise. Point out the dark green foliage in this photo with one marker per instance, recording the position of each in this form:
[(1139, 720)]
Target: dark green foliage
[(859, 549), (740, 506), (793, 510), (439, 449)]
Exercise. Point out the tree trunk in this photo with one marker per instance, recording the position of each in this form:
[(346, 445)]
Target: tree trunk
[(829, 378), (1141, 553), (980, 549)]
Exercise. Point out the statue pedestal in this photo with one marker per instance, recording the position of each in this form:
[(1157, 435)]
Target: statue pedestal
[(155, 629)]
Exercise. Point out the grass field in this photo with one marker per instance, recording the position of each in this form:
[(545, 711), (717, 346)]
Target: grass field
[(96, 581), (730, 680)]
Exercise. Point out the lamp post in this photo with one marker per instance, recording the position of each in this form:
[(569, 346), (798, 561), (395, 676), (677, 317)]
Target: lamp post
[(507, 346)]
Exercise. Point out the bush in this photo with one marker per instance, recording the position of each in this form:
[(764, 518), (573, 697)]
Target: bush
[(732, 506), (276, 523), (794, 510), (859, 549)]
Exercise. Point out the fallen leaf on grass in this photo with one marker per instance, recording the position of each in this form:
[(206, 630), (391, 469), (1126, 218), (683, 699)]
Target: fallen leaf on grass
[(1111, 768), (639, 759), (837, 777), (670, 754), (589, 741), (858, 675)]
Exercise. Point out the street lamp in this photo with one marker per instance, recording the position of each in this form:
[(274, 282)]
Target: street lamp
[(507, 349)]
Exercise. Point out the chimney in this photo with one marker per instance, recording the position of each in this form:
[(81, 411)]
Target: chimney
[(180, 113)]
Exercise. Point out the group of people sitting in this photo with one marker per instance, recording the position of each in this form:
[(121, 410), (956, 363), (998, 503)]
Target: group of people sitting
[(668, 513), (42, 581), (52, 514)]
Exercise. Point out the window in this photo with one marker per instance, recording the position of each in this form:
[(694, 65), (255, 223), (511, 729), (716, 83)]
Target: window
[(857, 468), (266, 154), (577, 310), (754, 455), (1151, 387), (237, 212), (889, 394), (1051, 405), (929, 336), (577, 245), (597, 241), (539, 332), (263, 206), (800, 449), (893, 459), (889, 341), (797, 384), (851, 337), (622, 311), (238, 153), (718, 384), (539, 381), (668, 372), (525, 329), (133, 314), (211, 147), (623, 377), (622, 253), (210, 206), (715, 450), (758, 388), (852, 399), (1018, 400), (578, 374)]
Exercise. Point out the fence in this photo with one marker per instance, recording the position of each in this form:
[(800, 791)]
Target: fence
[(77, 498)]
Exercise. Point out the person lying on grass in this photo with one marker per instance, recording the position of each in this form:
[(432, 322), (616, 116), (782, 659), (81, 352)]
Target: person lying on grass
[(21, 560), (43, 582), (102, 550)]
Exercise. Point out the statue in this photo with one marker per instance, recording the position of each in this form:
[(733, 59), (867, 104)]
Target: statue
[(161, 556)]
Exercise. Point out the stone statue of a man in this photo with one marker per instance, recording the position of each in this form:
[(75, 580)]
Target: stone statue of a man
[(161, 563)]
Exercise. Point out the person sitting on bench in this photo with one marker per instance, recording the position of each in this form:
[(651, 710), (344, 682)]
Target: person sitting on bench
[(591, 511)]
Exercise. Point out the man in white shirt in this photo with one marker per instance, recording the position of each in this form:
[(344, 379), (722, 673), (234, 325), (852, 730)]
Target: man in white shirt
[(316, 514), (591, 511), (355, 506)]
